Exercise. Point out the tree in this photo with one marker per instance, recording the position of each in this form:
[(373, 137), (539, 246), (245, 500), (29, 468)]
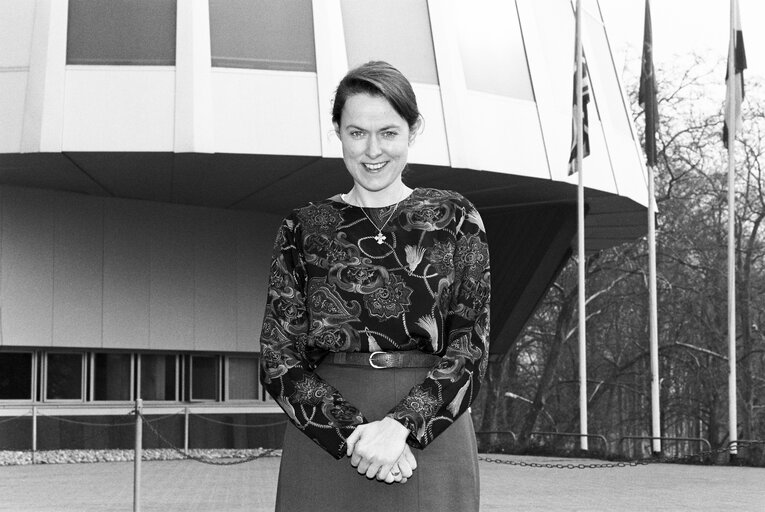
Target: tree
[(540, 370)]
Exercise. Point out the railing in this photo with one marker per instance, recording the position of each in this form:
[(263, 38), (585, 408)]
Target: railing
[(599, 437), (63, 413), (703, 443)]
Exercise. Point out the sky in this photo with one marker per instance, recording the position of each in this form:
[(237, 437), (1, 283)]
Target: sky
[(681, 27)]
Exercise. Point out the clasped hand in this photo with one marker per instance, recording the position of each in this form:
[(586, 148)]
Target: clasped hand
[(379, 450)]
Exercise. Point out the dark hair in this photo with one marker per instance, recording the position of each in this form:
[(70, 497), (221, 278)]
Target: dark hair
[(378, 78)]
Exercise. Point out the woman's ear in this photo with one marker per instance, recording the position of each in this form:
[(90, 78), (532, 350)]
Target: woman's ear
[(337, 129), (415, 130)]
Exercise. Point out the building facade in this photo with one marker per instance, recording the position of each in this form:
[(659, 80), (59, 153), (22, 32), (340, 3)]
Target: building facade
[(149, 149)]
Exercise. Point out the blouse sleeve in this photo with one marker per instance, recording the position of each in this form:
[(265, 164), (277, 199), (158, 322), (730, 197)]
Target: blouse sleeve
[(287, 365), (451, 386)]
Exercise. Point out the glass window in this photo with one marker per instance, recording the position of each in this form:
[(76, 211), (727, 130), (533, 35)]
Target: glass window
[(159, 377), (242, 378), (15, 375), (204, 378), (262, 34), (396, 31), (491, 45), (112, 376), (63, 376), (121, 32)]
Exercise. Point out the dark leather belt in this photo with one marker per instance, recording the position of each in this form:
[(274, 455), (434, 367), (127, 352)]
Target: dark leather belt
[(380, 360)]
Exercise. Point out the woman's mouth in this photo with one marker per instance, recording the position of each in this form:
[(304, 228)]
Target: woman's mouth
[(375, 167)]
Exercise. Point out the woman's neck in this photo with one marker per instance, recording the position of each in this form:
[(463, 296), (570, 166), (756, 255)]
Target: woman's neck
[(377, 199)]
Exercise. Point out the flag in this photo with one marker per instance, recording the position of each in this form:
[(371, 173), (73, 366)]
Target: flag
[(585, 121), (735, 84), (647, 91)]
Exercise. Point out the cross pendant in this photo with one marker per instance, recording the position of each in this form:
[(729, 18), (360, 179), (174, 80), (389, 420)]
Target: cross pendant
[(379, 237)]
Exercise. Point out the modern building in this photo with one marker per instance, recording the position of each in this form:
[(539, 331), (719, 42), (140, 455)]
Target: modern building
[(149, 149)]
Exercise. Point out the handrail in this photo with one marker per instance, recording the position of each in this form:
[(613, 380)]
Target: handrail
[(574, 434), (515, 437), (651, 438)]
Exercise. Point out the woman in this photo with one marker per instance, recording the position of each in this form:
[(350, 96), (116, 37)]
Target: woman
[(376, 331)]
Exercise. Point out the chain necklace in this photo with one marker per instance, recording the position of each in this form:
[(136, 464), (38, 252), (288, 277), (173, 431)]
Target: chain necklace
[(379, 237)]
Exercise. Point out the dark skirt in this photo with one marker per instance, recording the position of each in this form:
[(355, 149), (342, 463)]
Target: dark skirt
[(446, 477)]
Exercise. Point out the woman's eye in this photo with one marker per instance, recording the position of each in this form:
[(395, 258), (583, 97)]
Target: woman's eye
[(390, 134), (357, 134)]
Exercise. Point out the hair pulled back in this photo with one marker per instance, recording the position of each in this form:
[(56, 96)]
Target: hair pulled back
[(378, 78)]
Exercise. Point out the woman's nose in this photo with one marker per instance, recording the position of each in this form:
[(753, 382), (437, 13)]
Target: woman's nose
[(373, 147)]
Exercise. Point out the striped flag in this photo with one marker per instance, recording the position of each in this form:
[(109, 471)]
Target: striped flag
[(734, 86), (585, 120), (647, 91)]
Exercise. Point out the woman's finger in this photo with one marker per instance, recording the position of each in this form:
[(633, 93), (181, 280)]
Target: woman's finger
[(371, 471), (409, 456), (351, 441), (404, 467), (363, 467)]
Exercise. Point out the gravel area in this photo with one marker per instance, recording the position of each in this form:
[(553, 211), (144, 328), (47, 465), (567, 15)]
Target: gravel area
[(22, 458)]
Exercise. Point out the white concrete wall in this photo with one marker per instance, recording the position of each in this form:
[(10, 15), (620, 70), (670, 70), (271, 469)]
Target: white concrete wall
[(94, 272)]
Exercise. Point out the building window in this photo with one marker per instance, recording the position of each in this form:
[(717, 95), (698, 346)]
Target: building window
[(121, 32), (204, 378), (159, 377), (491, 45), (242, 378), (16, 370), (396, 31), (112, 377), (64, 376), (262, 34)]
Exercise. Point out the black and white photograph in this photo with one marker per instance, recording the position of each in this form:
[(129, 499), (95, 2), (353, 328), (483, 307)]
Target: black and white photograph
[(382, 255)]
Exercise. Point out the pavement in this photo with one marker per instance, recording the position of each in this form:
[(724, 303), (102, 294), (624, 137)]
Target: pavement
[(175, 486)]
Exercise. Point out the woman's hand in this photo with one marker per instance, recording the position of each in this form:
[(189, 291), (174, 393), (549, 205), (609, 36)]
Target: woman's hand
[(375, 447), (403, 468)]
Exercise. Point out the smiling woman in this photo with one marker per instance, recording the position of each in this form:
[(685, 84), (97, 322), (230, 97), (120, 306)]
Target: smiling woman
[(376, 330)]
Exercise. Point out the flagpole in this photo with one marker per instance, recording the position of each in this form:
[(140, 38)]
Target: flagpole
[(648, 98), (732, 121), (653, 316), (583, 441)]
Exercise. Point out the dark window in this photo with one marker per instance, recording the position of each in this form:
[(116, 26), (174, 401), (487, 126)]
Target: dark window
[(242, 378), (112, 377), (262, 34), (15, 376), (121, 32), (158, 377), (63, 379), (204, 378)]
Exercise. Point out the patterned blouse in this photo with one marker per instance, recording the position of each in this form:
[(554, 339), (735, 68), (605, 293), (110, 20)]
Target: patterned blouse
[(334, 288)]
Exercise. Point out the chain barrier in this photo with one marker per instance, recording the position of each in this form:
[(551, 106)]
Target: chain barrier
[(206, 460), (15, 417), (264, 425), (701, 456)]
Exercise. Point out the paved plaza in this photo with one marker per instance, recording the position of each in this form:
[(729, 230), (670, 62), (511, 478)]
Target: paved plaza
[(183, 486)]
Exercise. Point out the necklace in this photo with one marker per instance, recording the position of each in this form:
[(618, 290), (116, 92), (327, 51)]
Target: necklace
[(379, 237)]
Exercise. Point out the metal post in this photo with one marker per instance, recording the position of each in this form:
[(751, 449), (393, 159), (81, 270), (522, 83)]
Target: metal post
[(186, 432), (583, 441), (732, 128), (34, 434), (653, 315), (138, 455)]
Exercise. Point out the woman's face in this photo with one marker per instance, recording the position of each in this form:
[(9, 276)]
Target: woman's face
[(375, 142)]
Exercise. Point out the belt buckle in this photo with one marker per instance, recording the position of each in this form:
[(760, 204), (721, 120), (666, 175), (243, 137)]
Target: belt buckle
[(372, 364)]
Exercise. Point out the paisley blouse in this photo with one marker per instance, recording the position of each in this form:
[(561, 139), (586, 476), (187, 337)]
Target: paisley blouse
[(333, 287)]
